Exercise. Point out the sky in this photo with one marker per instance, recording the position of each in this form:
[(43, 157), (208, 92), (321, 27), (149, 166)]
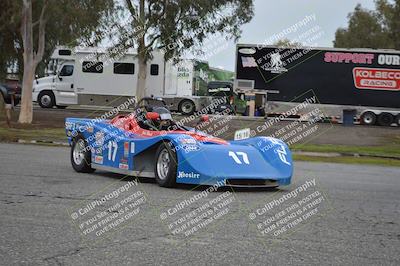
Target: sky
[(272, 17)]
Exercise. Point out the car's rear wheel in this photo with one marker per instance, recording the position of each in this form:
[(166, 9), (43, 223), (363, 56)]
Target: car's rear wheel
[(81, 156), (166, 165)]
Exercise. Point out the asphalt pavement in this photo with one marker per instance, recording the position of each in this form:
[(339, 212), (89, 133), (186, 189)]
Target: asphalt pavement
[(355, 222)]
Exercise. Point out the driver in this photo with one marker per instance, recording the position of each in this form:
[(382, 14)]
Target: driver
[(165, 118), (163, 122)]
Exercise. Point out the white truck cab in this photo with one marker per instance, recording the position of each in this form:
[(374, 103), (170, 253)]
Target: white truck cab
[(56, 89)]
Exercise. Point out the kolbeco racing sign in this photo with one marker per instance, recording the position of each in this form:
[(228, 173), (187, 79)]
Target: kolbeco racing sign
[(376, 78)]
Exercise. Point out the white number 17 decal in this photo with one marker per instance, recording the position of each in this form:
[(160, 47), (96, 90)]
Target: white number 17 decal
[(235, 156), (112, 145)]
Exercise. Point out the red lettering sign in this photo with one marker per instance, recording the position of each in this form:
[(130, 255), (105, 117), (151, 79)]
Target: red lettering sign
[(376, 78), (355, 58)]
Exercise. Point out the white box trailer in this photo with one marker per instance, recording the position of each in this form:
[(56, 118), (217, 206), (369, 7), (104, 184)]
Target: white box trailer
[(182, 82), (89, 76)]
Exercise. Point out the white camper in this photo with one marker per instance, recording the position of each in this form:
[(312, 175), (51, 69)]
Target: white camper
[(90, 76)]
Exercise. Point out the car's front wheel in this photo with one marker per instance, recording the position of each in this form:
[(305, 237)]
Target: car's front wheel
[(166, 165), (81, 156), (46, 99)]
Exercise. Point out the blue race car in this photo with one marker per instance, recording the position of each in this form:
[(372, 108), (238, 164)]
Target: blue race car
[(148, 143)]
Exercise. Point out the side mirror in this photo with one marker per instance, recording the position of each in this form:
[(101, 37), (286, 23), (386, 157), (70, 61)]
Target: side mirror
[(59, 77), (204, 118), (152, 116)]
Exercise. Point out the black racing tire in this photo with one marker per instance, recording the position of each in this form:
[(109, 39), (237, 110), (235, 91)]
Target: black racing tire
[(61, 106), (165, 169), (81, 162), (368, 118), (46, 99), (385, 119), (187, 107)]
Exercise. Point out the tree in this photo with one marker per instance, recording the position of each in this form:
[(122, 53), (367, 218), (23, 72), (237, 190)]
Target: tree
[(371, 29), (8, 35), (286, 43), (174, 26), (31, 58), (389, 16), (29, 37)]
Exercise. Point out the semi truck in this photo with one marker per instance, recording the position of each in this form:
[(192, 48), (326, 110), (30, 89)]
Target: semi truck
[(93, 76), (364, 80)]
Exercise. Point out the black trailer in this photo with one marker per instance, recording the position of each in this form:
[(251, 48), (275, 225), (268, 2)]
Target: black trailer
[(349, 77)]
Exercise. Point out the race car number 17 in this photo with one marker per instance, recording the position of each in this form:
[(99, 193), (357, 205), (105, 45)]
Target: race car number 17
[(112, 150)]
